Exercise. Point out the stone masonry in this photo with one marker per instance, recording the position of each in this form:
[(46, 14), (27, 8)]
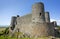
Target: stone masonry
[(36, 24)]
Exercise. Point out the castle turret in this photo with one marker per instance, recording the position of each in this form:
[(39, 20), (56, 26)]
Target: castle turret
[(54, 23), (38, 14), (47, 17), (13, 22)]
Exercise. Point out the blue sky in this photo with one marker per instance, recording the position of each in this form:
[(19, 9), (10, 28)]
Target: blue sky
[(9, 8)]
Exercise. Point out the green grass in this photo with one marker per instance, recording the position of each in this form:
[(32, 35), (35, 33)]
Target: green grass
[(2, 29), (2, 37), (21, 38)]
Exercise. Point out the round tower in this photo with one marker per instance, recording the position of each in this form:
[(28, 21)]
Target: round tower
[(12, 25), (47, 17), (13, 22), (38, 14), (54, 23)]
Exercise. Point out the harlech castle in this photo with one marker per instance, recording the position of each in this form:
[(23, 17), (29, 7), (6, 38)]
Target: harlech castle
[(35, 24)]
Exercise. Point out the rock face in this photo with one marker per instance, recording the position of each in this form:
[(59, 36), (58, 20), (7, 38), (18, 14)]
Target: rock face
[(36, 24)]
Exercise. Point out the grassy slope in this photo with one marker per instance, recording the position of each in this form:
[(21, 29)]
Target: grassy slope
[(27, 38), (2, 28)]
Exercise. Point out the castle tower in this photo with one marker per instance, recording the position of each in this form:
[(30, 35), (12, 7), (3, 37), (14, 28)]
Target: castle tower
[(47, 17), (38, 14), (54, 23), (13, 22)]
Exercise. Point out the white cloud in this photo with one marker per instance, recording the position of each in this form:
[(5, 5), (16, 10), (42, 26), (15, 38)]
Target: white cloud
[(58, 21)]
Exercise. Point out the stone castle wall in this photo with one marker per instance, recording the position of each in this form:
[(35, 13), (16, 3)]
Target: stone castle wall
[(36, 24)]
